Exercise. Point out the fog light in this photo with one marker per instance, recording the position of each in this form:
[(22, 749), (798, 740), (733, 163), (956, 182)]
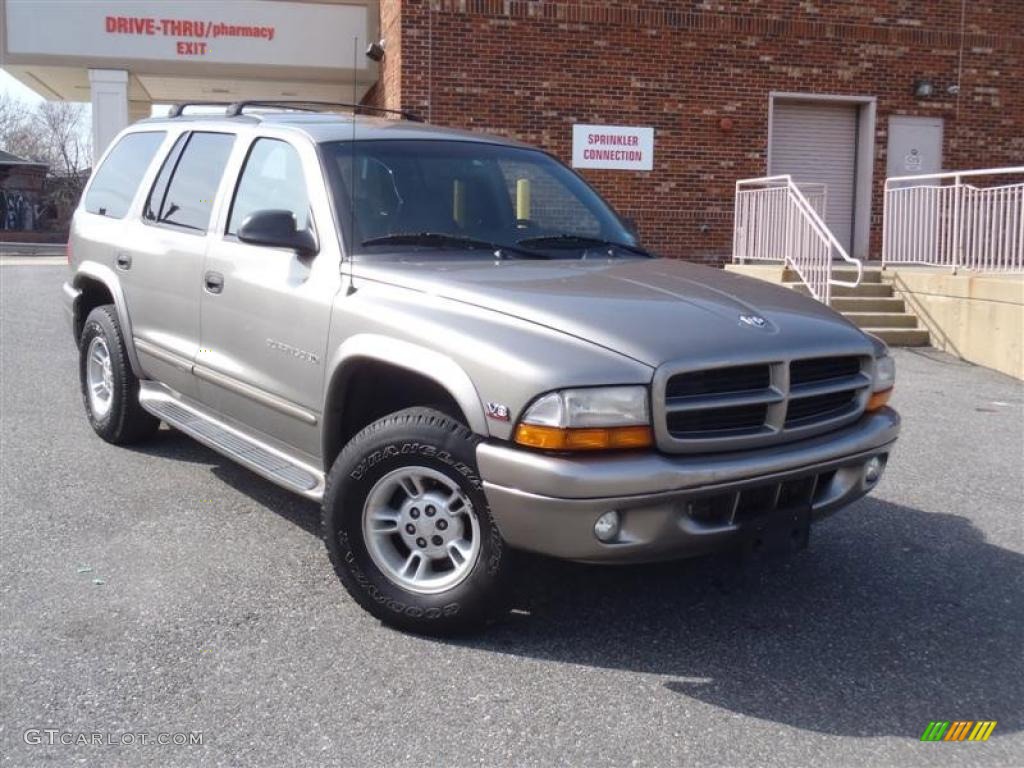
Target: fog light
[(873, 470), (607, 526)]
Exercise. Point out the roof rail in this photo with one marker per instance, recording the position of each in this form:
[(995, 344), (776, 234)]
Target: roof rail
[(239, 107), (177, 109)]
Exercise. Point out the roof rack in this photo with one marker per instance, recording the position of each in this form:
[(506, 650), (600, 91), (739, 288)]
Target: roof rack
[(237, 108), (177, 109)]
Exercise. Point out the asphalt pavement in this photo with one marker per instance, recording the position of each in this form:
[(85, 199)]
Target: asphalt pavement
[(162, 589)]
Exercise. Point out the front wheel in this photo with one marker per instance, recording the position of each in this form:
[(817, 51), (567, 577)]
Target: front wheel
[(408, 528), (110, 390)]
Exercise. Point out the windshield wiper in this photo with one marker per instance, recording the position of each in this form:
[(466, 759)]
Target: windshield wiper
[(579, 241), (445, 240)]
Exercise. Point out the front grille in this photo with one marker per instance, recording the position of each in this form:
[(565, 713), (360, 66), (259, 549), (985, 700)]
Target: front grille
[(717, 421), (810, 409), (822, 369), (760, 403), (718, 381)]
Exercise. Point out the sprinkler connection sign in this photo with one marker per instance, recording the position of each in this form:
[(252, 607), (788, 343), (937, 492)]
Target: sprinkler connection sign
[(613, 147)]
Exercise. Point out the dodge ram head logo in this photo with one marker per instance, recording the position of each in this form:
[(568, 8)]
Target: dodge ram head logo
[(754, 321)]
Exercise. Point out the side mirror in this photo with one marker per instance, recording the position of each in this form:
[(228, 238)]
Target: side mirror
[(277, 229)]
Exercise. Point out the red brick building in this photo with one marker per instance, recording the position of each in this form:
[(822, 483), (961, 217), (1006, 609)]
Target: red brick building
[(840, 92)]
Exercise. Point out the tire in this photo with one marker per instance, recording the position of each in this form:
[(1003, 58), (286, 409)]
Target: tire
[(415, 457), (117, 418)]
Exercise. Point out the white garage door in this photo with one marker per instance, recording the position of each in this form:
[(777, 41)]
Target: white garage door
[(816, 141)]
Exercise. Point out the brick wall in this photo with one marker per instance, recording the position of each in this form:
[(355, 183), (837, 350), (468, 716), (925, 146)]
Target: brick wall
[(529, 69)]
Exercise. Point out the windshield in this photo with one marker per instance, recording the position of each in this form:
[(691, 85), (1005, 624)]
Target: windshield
[(474, 197)]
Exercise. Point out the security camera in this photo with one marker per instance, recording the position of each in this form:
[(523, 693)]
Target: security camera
[(376, 51)]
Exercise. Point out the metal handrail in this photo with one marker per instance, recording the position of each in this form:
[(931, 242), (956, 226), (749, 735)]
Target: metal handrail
[(954, 225), (795, 228)]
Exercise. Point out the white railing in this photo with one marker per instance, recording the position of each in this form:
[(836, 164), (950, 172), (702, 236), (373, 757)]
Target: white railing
[(774, 220), (938, 220)]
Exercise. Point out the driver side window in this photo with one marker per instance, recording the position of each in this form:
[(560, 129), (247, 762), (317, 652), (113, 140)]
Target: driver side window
[(272, 179)]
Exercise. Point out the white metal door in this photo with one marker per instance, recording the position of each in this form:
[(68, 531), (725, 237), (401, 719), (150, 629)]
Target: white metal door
[(915, 145), (816, 142)]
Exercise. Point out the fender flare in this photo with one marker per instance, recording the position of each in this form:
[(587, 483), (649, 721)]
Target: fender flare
[(106, 276), (415, 359)]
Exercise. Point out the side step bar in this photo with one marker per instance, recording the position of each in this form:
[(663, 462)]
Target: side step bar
[(262, 459)]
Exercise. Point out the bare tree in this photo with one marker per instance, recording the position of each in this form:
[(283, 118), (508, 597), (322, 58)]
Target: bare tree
[(65, 144), (52, 132), (16, 133)]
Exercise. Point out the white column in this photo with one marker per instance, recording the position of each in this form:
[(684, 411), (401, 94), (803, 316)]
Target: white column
[(109, 88)]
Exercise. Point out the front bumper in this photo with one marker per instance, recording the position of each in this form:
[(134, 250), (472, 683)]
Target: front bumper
[(674, 506)]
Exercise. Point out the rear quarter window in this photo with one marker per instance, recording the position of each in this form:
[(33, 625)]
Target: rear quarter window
[(117, 180)]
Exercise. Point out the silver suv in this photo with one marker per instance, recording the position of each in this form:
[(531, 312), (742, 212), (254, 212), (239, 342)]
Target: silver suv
[(459, 349)]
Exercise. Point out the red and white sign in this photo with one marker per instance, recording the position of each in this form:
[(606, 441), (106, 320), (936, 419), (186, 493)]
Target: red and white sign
[(240, 32), (614, 147)]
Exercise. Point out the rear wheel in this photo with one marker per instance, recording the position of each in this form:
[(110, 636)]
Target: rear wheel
[(110, 390), (408, 528)]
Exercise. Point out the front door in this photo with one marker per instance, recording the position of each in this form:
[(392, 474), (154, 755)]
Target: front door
[(161, 259), (266, 311)]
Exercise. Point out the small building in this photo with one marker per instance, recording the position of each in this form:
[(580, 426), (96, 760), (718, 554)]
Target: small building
[(681, 97), (21, 189)]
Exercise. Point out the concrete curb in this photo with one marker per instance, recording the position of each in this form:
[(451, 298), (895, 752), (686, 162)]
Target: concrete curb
[(32, 249)]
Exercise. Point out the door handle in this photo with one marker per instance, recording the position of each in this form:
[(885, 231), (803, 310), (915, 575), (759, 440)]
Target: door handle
[(123, 260), (214, 282)]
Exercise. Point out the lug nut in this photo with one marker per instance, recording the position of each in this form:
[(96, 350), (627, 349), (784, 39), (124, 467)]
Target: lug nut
[(441, 524), (421, 542), (414, 513), (410, 529), (431, 511), (437, 540)]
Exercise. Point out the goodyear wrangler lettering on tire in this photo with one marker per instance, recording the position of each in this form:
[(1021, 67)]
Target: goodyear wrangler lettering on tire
[(408, 527)]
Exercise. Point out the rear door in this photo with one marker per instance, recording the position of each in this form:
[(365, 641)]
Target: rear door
[(161, 260), (266, 311)]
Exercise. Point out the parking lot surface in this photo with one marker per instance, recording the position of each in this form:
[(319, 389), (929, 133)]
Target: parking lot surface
[(163, 589)]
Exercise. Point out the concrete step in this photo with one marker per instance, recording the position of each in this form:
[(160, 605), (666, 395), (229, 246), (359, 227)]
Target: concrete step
[(864, 289), (902, 337), (881, 319), (868, 304), (839, 273)]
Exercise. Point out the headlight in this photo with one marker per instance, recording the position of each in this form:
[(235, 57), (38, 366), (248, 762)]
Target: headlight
[(883, 382), (592, 419)]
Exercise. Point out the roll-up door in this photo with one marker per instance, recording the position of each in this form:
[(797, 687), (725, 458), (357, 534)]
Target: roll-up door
[(816, 142)]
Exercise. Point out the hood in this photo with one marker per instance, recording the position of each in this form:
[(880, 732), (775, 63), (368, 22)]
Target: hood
[(652, 310)]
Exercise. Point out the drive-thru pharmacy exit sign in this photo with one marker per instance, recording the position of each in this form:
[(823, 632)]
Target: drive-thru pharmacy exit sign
[(614, 147)]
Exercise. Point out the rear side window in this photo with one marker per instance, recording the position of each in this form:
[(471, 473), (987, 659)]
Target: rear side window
[(116, 181), (158, 194), (184, 190), (272, 180)]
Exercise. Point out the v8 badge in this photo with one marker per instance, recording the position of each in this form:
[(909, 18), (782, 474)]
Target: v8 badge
[(498, 412)]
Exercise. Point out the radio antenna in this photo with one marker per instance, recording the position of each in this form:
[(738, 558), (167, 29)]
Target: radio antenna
[(352, 180)]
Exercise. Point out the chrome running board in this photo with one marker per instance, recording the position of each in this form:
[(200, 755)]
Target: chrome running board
[(264, 460)]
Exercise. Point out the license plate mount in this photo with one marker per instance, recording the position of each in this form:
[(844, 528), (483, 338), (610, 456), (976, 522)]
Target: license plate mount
[(777, 534)]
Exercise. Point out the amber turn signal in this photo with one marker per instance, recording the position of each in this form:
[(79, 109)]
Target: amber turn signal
[(588, 439), (878, 400)]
